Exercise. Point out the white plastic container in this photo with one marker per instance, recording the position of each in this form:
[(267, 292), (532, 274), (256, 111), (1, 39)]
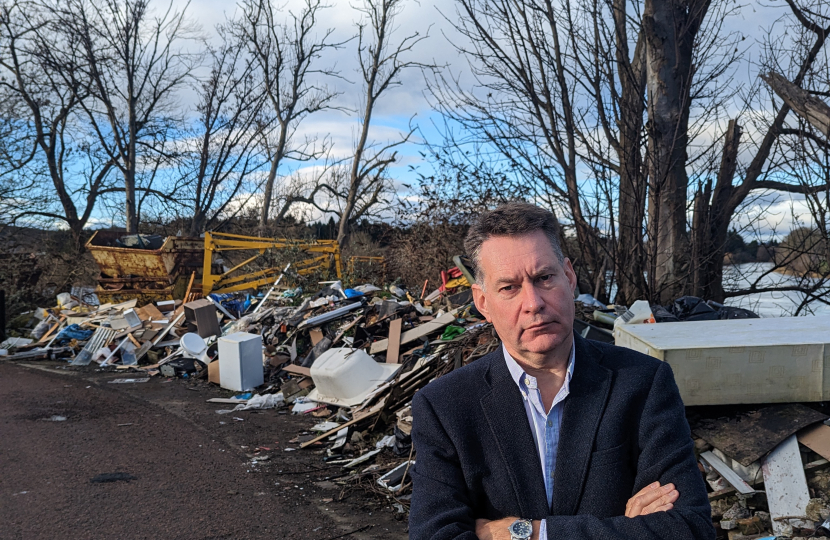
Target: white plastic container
[(240, 361), (638, 313)]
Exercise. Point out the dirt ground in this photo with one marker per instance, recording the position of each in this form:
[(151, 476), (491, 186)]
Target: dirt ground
[(175, 468)]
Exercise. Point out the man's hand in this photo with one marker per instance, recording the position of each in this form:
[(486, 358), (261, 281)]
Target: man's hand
[(497, 529), (652, 498)]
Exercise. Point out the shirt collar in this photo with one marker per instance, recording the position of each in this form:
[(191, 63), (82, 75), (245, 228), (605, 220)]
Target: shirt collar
[(517, 373)]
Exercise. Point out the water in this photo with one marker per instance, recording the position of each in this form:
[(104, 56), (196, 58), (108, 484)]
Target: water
[(768, 304)]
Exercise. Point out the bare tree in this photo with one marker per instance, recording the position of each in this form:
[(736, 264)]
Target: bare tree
[(286, 55), (124, 66), (772, 141), (525, 101), (382, 59), (610, 110), (219, 157), (48, 108)]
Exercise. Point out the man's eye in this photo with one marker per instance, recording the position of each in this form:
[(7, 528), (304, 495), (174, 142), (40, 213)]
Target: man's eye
[(546, 277), (508, 288)]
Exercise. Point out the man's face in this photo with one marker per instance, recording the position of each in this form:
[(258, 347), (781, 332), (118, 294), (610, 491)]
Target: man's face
[(527, 295)]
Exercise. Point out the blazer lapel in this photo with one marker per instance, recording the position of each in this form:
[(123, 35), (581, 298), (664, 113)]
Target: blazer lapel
[(505, 413), (583, 408)]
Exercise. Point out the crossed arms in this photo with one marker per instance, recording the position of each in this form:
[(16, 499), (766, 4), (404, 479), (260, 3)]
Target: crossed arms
[(442, 508)]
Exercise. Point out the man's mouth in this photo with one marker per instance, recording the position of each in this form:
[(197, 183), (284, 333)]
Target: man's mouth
[(539, 325)]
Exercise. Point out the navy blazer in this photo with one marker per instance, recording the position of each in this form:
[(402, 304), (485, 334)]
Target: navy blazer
[(623, 427)]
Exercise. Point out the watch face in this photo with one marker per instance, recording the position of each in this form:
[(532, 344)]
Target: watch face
[(521, 529)]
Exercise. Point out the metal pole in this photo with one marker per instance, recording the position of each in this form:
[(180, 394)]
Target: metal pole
[(264, 298)]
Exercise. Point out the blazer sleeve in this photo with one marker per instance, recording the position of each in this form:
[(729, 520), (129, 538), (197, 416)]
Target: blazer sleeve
[(666, 455), (441, 508)]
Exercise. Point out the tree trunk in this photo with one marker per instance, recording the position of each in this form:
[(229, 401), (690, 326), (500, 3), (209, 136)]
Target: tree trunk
[(354, 173), (629, 253), (279, 152), (670, 27), (267, 195), (77, 230), (711, 222), (131, 217)]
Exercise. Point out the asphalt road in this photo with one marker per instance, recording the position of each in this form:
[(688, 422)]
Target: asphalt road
[(172, 467)]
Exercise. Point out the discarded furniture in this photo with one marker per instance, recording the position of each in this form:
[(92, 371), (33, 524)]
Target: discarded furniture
[(240, 361), (201, 318)]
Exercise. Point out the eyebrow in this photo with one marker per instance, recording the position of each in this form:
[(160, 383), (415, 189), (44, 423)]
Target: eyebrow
[(545, 270)]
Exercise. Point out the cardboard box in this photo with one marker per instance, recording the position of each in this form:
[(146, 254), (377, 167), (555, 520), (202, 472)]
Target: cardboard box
[(213, 373), (772, 360)]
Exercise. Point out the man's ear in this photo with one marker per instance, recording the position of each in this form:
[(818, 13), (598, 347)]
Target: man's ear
[(480, 300), (570, 274)]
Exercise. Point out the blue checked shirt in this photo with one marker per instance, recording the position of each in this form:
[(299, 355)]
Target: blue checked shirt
[(543, 425)]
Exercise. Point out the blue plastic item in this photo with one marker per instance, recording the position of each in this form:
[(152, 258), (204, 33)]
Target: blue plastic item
[(73, 331)]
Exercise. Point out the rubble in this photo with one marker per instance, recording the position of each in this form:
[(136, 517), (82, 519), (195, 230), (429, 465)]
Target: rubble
[(351, 358)]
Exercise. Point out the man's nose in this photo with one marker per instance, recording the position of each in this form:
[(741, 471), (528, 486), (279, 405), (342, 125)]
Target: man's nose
[(531, 299)]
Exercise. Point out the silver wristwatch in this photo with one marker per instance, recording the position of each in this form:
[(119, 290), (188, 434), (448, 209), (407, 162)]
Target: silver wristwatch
[(521, 529)]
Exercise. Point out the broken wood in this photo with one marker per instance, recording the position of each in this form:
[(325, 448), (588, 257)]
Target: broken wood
[(52, 329), (338, 428), (189, 287), (807, 106), (297, 370), (134, 340), (817, 439), (394, 341), (419, 332)]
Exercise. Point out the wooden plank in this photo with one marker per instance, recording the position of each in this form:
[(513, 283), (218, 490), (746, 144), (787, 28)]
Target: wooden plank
[(786, 487), (416, 333), (727, 473), (52, 329), (297, 370), (134, 340), (153, 313), (335, 430), (394, 341), (189, 287), (817, 439), (345, 329), (316, 336)]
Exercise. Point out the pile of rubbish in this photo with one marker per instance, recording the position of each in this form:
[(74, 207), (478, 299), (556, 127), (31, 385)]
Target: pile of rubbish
[(351, 359), (756, 405), (767, 469)]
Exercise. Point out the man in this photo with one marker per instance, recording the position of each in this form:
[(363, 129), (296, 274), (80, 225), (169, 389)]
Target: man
[(550, 436)]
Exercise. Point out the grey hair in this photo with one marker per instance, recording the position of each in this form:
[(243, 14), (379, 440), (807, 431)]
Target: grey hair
[(511, 219)]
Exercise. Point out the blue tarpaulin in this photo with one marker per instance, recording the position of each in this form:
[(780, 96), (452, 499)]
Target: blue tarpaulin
[(73, 331)]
